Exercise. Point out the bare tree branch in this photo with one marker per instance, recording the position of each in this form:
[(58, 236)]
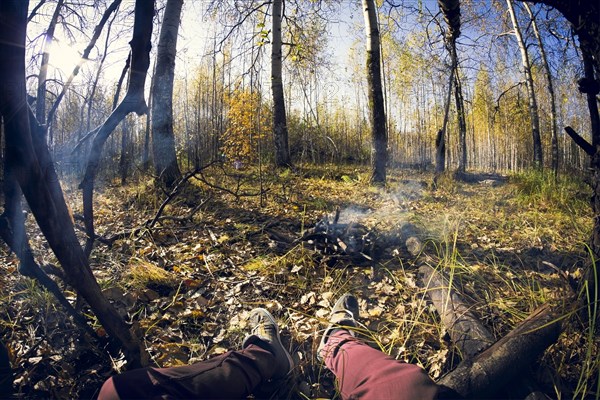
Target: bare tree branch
[(581, 142), (97, 31)]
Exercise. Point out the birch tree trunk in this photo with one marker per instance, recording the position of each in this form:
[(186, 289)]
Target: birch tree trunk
[(533, 107), (462, 123), (379, 138), (280, 130), (163, 137), (451, 11), (550, 83)]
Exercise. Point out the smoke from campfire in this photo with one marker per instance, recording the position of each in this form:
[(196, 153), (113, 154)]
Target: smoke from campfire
[(351, 214)]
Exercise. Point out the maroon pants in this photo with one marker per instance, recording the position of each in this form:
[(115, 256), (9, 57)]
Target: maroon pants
[(362, 373), (365, 373)]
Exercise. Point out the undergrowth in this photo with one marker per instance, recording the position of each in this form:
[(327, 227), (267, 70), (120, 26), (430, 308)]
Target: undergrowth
[(542, 189), (188, 285)]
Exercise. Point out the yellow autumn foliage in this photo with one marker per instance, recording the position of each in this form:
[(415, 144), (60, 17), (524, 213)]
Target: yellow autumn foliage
[(248, 122)]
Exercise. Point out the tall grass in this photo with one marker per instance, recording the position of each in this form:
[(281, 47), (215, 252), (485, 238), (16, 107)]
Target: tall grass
[(565, 193), (588, 385)]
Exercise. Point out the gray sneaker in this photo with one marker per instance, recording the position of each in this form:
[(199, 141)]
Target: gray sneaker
[(264, 333), (343, 316)]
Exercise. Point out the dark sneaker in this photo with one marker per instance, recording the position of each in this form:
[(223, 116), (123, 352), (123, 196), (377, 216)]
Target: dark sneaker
[(343, 316), (264, 333)]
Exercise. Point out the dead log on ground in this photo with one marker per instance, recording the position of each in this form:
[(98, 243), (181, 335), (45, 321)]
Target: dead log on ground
[(493, 370), (465, 330)]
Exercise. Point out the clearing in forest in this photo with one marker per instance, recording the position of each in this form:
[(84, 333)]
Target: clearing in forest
[(509, 244)]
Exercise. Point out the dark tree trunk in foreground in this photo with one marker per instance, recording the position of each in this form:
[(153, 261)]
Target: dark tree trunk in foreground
[(462, 122), (163, 138), (379, 153), (440, 153), (533, 107), (280, 130), (28, 157), (590, 86)]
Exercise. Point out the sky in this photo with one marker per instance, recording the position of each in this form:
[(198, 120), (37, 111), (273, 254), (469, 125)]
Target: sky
[(195, 30), (195, 41)]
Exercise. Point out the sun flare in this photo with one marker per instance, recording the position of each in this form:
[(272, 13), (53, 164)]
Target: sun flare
[(63, 57)]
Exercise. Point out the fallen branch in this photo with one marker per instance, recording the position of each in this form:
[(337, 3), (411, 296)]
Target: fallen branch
[(175, 191), (465, 330), (235, 193), (150, 223)]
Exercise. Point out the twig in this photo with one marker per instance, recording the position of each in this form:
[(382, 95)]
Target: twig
[(504, 93), (86, 52), (174, 192), (150, 223), (235, 193)]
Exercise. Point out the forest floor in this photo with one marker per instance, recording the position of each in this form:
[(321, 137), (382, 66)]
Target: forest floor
[(188, 283)]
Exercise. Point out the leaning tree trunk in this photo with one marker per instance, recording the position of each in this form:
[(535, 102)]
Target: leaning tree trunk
[(163, 137), (280, 130), (132, 102), (40, 104), (533, 107), (492, 372), (379, 152), (28, 157)]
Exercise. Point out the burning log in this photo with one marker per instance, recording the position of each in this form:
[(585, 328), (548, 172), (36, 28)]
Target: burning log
[(351, 240)]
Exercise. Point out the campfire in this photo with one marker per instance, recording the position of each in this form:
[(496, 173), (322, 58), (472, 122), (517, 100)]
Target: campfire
[(352, 241)]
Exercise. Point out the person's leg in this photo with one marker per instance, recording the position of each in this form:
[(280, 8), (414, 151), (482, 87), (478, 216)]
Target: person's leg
[(363, 372), (232, 375)]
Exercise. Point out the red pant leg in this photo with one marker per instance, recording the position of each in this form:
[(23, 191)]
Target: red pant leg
[(232, 375), (365, 373)]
